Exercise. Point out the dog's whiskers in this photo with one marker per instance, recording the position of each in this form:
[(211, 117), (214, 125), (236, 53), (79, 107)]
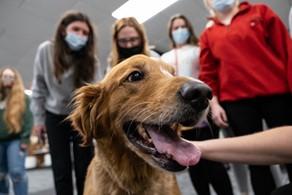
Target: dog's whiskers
[(164, 116), (138, 114), (129, 110), (146, 117)]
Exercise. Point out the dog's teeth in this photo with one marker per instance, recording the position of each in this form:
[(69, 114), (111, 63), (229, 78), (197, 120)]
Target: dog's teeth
[(174, 126), (144, 135), (168, 155), (183, 128), (142, 132)]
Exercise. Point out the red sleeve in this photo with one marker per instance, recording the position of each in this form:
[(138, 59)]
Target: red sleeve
[(208, 71), (279, 39)]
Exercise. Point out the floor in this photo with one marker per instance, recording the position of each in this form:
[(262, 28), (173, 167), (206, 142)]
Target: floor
[(41, 180), (41, 183)]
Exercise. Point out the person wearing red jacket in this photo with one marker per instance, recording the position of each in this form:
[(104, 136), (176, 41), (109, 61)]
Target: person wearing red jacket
[(246, 58)]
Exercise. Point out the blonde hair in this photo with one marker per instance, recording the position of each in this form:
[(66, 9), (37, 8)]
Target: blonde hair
[(114, 57), (15, 102)]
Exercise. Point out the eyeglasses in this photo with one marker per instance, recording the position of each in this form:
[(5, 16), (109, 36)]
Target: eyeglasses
[(8, 77), (125, 41)]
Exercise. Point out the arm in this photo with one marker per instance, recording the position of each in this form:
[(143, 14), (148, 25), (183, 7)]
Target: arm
[(39, 91), (268, 147), (278, 38), (208, 69), (27, 123), (209, 74)]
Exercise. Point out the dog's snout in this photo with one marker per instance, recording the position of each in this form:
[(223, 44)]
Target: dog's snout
[(196, 94)]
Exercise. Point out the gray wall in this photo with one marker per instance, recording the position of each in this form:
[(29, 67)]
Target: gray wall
[(24, 24)]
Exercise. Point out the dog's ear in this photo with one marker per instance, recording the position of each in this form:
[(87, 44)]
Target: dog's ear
[(168, 67), (83, 117), (171, 69)]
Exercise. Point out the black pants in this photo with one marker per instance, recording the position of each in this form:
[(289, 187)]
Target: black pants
[(60, 135), (208, 172), (284, 190), (245, 117)]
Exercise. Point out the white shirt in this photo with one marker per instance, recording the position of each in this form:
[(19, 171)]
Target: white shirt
[(2, 104), (184, 59)]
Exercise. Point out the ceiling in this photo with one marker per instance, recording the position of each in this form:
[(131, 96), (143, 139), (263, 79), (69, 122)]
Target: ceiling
[(24, 24)]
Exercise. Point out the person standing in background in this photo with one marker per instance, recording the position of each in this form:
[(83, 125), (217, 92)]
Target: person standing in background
[(15, 129), (184, 56), (61, 66), (246, 58), (128, 39)]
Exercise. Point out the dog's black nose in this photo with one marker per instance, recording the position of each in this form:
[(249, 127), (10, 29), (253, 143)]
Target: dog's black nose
[(196, 94)]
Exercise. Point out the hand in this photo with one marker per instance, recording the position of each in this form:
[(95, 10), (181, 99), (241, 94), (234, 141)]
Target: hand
[(39, 130), (23, 147), (218, 114)]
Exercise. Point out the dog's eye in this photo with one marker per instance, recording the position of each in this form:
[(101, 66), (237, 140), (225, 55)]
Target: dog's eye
[(135, 76)]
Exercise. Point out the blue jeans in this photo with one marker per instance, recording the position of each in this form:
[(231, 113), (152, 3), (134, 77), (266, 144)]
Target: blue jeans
[(12, 160)]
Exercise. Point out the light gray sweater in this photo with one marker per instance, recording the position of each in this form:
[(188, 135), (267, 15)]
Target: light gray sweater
[(47, 93)]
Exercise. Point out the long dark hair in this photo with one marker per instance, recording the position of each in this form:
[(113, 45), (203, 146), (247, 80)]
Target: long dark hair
[(193, 40), (84, 61)]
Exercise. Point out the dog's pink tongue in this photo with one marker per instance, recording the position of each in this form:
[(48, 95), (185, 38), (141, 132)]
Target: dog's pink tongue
[(181, 151)]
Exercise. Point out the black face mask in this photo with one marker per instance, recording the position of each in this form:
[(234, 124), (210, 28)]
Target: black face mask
[(128, 52)]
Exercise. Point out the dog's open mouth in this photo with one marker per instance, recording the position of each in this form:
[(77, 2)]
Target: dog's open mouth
[(164, 144)]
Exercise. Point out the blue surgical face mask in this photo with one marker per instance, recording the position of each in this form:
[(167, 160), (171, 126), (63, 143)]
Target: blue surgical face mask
[(180, 35), (75, 42), (222, 5)]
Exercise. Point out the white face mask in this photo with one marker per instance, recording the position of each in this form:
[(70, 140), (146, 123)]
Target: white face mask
[(75, 42), (222, 5), (180, 35)]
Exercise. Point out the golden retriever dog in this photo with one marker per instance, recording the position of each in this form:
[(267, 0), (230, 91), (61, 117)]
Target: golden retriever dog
[(38, 148), (135, 114)]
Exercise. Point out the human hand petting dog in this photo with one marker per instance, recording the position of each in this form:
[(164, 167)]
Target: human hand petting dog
[(258, 148)]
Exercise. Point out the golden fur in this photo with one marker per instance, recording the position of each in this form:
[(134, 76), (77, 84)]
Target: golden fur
[(102, 109), (38, 147), (15, 105)]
